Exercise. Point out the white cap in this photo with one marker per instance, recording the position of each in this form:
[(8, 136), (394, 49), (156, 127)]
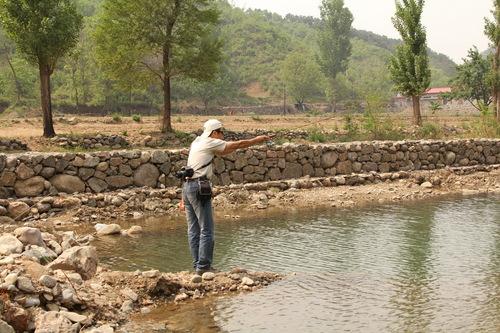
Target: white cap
[(210, 126)]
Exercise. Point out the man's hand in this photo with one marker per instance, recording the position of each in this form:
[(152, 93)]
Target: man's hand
[(262, 138), (182, 208)]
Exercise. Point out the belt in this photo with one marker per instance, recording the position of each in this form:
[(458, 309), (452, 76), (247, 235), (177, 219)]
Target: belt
[(196, 179)]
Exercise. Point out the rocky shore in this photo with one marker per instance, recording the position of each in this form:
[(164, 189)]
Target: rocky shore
[(52, 282)]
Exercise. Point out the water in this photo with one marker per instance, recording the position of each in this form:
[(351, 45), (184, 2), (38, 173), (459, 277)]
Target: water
[(422, 267)]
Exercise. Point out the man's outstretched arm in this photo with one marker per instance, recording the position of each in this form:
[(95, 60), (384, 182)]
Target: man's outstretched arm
[(234, 145)]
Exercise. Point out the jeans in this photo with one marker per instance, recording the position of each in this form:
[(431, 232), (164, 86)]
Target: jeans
[(200, 226)]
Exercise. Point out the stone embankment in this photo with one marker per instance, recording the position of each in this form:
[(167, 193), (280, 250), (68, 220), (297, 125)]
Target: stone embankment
[(7, 145), (95, 142), (53, 283), (31, 175)]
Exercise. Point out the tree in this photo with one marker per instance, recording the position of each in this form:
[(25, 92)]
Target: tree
[(161, 39), (492, 30), (43, 31), (334, 39), (409, 66), (302, 76), (473, 80)]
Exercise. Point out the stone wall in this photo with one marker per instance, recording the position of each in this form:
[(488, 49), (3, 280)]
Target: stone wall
[(95, 142), (35, 174), (12, 145)]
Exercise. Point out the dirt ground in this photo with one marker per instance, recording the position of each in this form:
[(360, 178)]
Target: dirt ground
[(29, 130)]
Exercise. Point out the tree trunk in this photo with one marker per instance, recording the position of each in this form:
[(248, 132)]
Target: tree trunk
[(166, 125), (417, 117), (16, 80), (496, 90), (48, 127), (75, 86)]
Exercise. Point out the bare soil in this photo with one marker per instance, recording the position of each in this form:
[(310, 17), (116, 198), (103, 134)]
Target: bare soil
[(29, 130)]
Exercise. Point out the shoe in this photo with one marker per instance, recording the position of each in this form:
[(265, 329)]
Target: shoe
[(205, 270)]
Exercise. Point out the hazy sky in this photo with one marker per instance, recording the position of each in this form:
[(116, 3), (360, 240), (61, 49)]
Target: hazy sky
[(453, 26)]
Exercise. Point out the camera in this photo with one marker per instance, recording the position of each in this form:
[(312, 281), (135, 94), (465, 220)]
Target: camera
[(185, 172)]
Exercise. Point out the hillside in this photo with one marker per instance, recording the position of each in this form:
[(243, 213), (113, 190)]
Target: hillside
[(255, 44)]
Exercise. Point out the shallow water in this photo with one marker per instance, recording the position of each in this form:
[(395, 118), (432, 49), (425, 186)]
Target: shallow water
[(427, 266)]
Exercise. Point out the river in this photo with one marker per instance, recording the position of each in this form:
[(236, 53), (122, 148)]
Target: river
[(427, 266)]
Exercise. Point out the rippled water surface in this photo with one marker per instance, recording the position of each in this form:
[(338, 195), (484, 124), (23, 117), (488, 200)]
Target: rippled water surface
[(423, 267)]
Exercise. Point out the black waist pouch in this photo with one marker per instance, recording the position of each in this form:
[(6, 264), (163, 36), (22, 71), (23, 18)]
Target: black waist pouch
[(204, 189)]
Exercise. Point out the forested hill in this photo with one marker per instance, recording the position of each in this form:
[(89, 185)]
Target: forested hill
[(255, 44), (257, 41)]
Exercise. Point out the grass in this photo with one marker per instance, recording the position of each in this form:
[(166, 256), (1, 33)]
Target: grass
[(116, 117), (136, 118)]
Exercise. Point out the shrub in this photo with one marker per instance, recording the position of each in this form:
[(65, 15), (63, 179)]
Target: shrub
[(117, 118), (430, 131), (136, 118), (256, 118)]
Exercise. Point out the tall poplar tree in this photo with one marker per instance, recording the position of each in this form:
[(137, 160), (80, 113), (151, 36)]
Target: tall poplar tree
[(43, 31), (409, 66), (141, 41), (334, 39), (492, 30)]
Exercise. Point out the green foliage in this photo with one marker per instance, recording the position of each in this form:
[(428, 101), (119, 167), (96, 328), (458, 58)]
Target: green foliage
[(435, 106), (334, 40), (223, 88), (302, 76), (43, 31), (409, 66), (473, 80), (486, 126), (492, 31), (116, 117), (125, 133), (350, 125), (316, 135), (141, 41), (429, 131), (256, 42), (136, 118)]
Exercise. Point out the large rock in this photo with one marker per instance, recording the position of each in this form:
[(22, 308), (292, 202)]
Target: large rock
[(6, 220), (344, 167), (292, 170), (18, 209), (54, 322), (41, 254), (24, 172), (10, 244), (329, 159), (160, 157), (81, 259), (6, 328), (450, 158), (97, 185), (29, 236), (31, 187), (7, 178), (2, 162), (146, 175), (66, 202), (108, 229), (68, 184), (116, 182)]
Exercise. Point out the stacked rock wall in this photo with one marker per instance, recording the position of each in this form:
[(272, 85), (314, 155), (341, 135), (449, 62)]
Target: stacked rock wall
[(34, 174), (12, 145)]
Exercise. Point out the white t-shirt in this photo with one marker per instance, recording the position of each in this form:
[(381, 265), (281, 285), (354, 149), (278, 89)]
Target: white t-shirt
[(203, 151)]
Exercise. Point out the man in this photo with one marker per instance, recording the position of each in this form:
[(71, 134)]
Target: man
[(198, 210)]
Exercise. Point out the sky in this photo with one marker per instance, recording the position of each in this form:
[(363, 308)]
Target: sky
[(453, 26)]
